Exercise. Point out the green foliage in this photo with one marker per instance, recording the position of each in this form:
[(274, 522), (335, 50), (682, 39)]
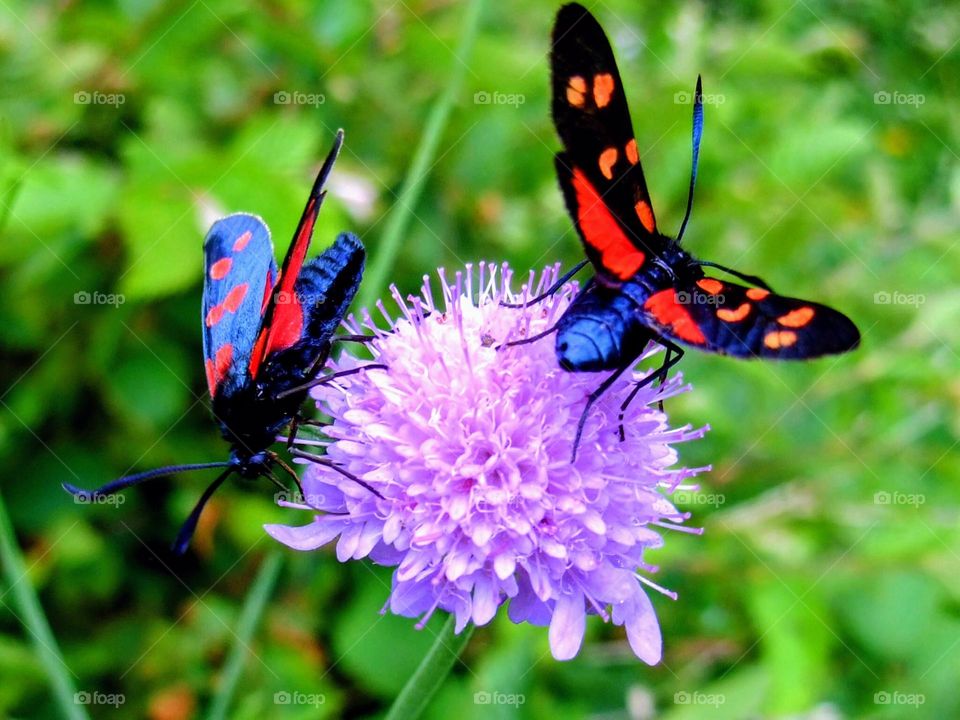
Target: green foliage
[(828, 573)]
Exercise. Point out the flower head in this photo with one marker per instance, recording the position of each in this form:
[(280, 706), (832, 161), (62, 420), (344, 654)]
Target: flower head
[(468, 443)]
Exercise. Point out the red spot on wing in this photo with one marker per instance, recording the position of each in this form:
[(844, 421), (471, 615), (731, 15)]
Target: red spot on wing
[(218, 367), (779, 339), (241, 242), (235, 297), (608, 158), (214, 315), (645, 215), (797, 318), (230, 304), (603, 87), (603, 233), (220, 268), (665, 309), (736, 315), (576, 91), (710, 285)]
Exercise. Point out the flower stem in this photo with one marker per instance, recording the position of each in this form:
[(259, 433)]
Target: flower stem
[(428, 678), (253, 607), (386, 256), (35, 622)]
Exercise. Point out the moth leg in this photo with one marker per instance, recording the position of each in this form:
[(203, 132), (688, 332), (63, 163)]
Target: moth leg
[(274, 479), (671, 357), (532, 339), (320, 360), (307, 422), (328, 378), (322, 460), (299, 421), (551, 290), (289, 471), (362, 339), (591, 399), (294, 427)]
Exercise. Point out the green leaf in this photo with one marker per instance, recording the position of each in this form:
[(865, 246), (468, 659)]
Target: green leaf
[(60, 199), (892, 613), (361, 633), (795, 639)]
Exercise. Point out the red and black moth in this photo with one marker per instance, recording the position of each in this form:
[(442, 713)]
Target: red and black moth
[(647, 288), (266, 339)]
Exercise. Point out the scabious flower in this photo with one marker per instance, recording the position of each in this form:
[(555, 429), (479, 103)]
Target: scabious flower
[(468, 443)]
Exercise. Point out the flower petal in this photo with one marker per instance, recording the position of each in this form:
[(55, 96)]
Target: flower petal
[(525, 606), (504, 565), (307, 537), (485, 601), (567, 626), (643, 630)]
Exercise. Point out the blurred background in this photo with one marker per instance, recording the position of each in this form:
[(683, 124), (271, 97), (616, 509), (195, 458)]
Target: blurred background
[(827, 583)]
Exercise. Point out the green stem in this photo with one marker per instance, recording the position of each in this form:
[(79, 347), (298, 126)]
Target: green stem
[(32, 617), (428, 678), (253, 608), (386, 256)]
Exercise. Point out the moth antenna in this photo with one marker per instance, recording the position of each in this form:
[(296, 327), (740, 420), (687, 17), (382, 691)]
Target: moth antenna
[(752, 279), (697, 135), (190, 524), (129, 480)]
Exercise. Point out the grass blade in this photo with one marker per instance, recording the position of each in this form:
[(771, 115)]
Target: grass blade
[(253, 607), (30, 614), (427, 679)]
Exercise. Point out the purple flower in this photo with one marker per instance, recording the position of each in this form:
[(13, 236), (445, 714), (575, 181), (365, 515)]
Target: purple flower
[(469, 444)]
